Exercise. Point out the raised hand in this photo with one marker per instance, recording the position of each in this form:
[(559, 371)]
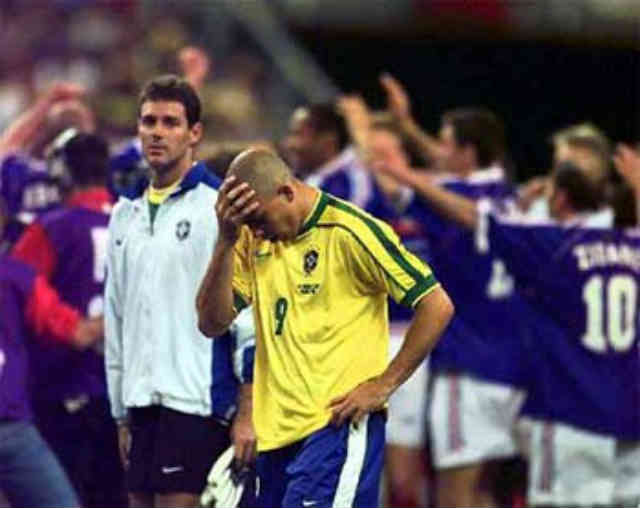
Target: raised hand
[(398, 102), (64, 91), (194, 65), (234, 206), (356, 114)]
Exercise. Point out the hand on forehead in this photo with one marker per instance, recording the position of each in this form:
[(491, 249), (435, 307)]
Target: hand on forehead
[(239, 194), (232, 186)]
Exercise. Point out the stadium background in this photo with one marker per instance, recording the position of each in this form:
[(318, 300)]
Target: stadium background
[(541, 65)]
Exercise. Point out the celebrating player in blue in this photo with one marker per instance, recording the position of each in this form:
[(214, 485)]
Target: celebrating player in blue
[(583, 317)]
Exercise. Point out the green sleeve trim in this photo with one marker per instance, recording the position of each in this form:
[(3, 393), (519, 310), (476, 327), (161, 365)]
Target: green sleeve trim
[(389, 246), (415, 294), (239, 302)]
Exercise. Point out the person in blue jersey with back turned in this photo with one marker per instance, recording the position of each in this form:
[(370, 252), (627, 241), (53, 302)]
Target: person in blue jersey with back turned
[(475, 396), (178, 399), (580, 280)]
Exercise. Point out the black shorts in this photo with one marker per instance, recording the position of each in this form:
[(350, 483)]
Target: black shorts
[(85, 440), (172, 451)]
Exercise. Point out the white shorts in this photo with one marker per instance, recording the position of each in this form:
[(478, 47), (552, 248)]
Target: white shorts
[(626, 491), (568, 466), (407, 421), (472, 421)]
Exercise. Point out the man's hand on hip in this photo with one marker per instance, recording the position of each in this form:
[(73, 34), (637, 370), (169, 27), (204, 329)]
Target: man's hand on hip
[(364, 398)]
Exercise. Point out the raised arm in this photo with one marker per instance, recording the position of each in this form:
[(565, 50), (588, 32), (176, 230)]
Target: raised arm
[(358, 119), (215, 299), (194, 65), (399, 105), (448, 204), (23, 131)]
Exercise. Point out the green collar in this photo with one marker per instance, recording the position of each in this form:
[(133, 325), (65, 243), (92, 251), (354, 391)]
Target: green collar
[(316, 212)]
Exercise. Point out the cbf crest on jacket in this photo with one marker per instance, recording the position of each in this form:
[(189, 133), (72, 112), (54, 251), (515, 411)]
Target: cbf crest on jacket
[(155, 353)]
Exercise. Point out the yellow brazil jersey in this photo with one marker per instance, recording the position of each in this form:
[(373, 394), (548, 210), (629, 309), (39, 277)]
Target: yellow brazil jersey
[(320, 307)]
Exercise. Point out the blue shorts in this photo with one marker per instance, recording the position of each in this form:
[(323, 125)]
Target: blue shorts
[(334, 466)]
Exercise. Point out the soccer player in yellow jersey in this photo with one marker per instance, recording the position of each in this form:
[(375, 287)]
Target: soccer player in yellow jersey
[(317, 271)]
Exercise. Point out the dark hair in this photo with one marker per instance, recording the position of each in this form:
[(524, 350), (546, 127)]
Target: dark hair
[(480, 128), (324, 118), (87, 159), (172, 88), (580, 190), (623, 201)]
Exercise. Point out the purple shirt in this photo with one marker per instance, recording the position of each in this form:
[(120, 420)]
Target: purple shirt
[(78, 236), (584, 361), (16, 284)]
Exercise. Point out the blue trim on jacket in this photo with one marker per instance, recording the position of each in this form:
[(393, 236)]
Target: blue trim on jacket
[(224, 384), (199, 173), (248, 357)]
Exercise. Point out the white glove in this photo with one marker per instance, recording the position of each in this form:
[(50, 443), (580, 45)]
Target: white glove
[(225, 484)]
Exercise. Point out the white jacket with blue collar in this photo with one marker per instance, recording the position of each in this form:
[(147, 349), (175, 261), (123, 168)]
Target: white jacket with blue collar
[(154, 352)]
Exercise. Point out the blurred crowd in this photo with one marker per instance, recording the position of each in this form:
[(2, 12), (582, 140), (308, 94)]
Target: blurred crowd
[(86, 83), (101, 46)]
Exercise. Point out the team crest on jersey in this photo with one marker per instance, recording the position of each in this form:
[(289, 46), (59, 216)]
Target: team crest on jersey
[(310, 260), (183, 228)]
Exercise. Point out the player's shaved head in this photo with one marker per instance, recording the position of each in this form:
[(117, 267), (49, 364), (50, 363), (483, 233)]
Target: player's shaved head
[(262, 169)]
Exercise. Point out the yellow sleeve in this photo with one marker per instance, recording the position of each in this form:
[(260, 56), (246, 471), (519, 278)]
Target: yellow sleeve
[(380, 263), (242, 282)]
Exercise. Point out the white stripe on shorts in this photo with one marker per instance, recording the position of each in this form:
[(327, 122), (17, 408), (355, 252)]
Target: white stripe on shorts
[(352, 467)]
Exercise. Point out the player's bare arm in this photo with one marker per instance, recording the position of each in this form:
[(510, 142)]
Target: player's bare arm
[(24, 129), (399, 104), (452, 206), (243, 434), (432, 316), (214, 301)]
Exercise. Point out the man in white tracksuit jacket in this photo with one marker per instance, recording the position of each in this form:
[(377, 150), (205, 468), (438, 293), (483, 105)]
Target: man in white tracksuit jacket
[(174, 393)]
